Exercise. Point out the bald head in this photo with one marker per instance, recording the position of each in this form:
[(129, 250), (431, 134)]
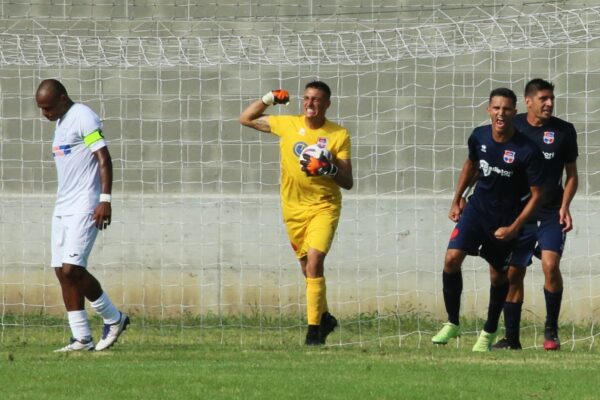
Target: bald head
[(51, 86), (52, 99)]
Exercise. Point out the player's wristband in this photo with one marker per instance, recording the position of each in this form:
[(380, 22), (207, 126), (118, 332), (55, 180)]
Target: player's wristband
[(105, 198), (268, 99)]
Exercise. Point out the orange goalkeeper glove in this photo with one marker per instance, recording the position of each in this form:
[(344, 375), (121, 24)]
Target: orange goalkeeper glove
[(321, 166), (278, 96)]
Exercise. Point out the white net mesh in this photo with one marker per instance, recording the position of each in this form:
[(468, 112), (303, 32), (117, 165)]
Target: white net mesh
[(197, 239), (509, 31)]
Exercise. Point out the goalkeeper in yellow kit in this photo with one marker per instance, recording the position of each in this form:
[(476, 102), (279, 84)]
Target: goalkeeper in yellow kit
[(310, 188)]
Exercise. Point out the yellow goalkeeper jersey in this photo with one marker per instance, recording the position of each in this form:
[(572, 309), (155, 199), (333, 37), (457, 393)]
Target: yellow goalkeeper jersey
[(297, 189)]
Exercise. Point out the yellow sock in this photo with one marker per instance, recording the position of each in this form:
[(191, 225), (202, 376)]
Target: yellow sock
[(324, 306), (315, 299)]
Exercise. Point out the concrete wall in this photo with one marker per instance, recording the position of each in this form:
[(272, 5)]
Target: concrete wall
[(208, 254), (197, 225), (311, 10)]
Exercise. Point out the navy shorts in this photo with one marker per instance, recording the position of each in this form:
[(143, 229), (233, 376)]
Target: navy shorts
[(476, 237), (547, 232)]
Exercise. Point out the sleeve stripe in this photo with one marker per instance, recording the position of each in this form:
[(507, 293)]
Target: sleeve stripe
[(93, 137)]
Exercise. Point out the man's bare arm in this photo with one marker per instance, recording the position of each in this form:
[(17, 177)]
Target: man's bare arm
[(510, 232), (571, 183), (253, 117), (344, 176), (467, 175), (103, 212)]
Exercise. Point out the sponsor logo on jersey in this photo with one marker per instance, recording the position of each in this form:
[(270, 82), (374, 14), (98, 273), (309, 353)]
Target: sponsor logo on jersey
[(487, 170), (509, 156), (298, 147), (322, 142), (548, 156), (301, 131), (483, 148), (59, 151), (548, 137)]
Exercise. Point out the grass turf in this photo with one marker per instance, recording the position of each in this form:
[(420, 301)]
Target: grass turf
[(171, 363)]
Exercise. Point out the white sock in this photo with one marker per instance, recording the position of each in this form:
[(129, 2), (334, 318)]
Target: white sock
[(106, 309), (80, 327)]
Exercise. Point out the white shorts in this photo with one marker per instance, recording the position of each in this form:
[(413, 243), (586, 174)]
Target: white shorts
[(73, 237)]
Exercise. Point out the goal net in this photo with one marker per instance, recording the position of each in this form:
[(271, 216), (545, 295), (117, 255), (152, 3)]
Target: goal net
[(197, 242)]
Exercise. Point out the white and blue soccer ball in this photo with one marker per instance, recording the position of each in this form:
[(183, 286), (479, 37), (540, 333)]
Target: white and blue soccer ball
[(316, 151)]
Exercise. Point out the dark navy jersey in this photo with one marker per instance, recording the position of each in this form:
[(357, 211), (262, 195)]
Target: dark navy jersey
[(557, 139), (506, 172)]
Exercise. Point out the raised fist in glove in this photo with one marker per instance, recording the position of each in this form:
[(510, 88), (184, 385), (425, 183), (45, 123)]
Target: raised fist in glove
[(278, 96)]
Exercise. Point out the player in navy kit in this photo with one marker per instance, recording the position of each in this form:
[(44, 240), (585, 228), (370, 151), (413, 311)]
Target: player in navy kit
[(557, 140), (510, 175)]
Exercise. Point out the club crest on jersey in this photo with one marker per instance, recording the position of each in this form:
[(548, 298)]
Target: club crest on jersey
[(509, 156), (298, 147), (548, 137), (322, 142)]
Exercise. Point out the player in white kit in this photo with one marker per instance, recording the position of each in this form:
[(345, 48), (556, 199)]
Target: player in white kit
[(84, 170)]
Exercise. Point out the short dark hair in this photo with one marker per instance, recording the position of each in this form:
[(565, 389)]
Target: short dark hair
[(504, 92), (322, 86), (537, 84)]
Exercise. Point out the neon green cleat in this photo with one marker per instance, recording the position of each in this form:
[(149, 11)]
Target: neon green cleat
[(485, 341), (448, 331)]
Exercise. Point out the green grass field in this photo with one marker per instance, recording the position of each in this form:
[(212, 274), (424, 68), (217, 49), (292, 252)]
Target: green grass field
[(174, 363)]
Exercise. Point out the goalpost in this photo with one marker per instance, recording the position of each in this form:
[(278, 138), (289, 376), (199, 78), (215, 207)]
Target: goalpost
[(197, 241)]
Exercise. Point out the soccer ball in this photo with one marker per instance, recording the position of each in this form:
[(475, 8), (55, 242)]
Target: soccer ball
[(314, 166), (315, 151)]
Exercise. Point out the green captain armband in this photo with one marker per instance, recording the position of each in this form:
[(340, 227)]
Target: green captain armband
[(93, 137)]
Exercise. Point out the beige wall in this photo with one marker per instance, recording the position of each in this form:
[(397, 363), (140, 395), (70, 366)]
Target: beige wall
[(165, 255), (197, 225)]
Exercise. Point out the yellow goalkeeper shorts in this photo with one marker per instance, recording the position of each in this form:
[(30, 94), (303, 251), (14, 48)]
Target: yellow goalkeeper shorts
[(311, 228)]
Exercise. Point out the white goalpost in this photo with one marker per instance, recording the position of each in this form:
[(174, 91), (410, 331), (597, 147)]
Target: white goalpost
[(197, 242)]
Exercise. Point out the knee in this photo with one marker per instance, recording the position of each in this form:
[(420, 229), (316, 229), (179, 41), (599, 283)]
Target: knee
[(498, 278), (516, 277), (551, 266), (452, 263), (552, 271), (315, 264), (516, 290), (71, 273), (553, 278)]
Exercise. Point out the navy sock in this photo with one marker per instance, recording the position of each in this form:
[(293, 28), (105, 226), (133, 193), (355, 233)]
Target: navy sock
[(497, 297), (512, 321), (453, 286), (553, 301)]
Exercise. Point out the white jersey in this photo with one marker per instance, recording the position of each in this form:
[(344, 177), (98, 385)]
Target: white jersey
[(78, 134)]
